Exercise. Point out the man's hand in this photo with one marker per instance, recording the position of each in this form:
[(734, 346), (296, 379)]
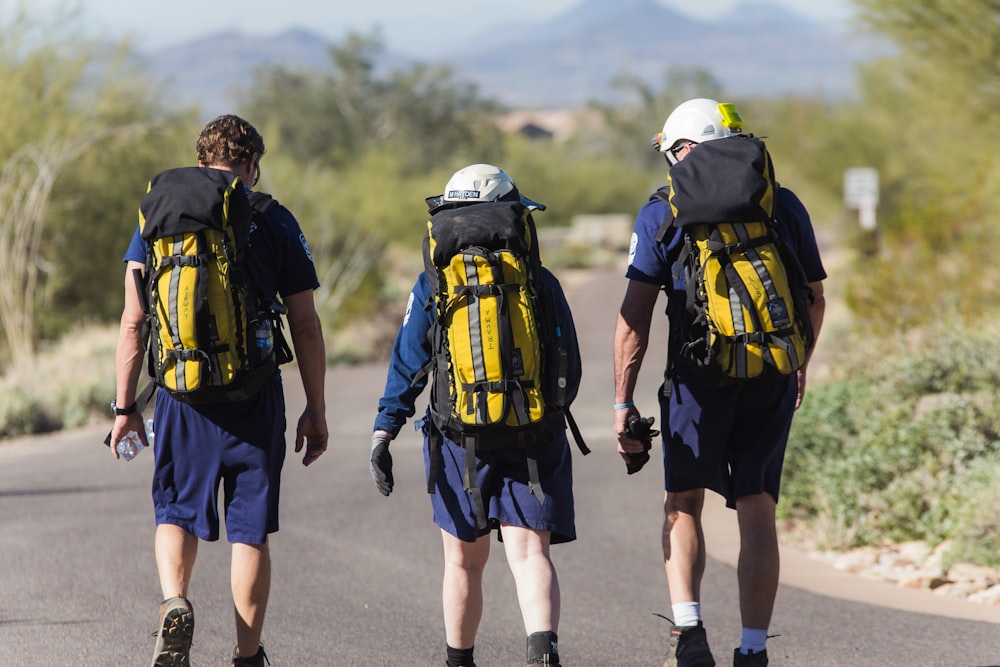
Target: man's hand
[(380, 465), (123, 424), (311, 432), (640, 429), (800, 379)]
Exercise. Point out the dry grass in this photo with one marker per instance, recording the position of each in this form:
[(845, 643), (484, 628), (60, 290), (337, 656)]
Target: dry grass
[(68, 384)]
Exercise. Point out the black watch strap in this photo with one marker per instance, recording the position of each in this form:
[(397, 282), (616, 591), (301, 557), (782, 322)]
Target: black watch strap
[(124, 411)]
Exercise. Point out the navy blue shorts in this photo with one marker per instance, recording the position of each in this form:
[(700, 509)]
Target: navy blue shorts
[(728, 439), (241, 445), (502, 476)]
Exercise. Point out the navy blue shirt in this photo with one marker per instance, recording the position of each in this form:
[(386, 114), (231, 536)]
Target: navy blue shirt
[(412, 351)]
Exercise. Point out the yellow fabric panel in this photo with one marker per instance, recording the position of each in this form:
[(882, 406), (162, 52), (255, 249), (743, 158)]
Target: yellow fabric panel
[(475, 341), (525, 336), (767, 201), (178, 288), (468, 359), (717, 286), (225, 314), (231, 321)]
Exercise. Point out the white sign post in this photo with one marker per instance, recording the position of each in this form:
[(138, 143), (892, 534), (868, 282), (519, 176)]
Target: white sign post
[(861, 194)]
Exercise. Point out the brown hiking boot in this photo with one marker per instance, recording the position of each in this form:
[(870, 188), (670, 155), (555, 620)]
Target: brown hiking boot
[(173, 638)]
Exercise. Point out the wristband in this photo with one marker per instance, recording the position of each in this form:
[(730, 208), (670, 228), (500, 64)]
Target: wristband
[(124, 411), (622, 406)]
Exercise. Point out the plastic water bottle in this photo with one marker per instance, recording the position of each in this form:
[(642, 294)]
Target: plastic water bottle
[(130, 446), (265, 337)]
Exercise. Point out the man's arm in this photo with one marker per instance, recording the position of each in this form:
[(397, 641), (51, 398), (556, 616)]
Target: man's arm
[(817, 310), (631, 341), (128, 359), (310, 350)]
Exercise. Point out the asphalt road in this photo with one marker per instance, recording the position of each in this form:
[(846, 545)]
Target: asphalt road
[(356, 576)]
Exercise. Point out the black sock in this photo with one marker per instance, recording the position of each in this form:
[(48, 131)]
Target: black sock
[(461, 657), (543, 648)]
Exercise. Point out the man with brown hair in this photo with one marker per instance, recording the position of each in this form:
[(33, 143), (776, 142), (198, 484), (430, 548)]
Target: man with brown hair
[(241, 442)]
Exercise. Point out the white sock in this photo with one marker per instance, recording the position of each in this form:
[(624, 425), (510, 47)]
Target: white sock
[(753, 639), (686, 613)]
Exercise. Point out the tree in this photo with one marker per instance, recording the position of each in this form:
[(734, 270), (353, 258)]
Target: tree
[(26, 183), (951, 44), (61, 96), (332, 117), (631, 126), (932, 103)]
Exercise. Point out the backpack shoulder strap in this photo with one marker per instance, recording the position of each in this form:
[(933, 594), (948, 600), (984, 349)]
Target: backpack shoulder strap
[(261, 202), (663, 194)]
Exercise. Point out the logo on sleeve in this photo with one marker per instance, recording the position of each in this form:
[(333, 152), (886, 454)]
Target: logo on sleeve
[(631, 247), (409, 308), (305, 246)]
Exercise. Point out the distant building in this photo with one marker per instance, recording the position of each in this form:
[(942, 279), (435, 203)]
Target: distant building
[(557, 124)]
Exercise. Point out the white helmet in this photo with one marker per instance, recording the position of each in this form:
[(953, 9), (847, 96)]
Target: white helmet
[(697, 120), (479, 183)]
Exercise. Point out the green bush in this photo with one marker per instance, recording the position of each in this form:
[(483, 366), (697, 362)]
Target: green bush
[(903, 453), (977, 536), (22, 414)]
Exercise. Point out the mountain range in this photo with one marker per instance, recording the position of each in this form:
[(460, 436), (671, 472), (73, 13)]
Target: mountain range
[(757, 49)]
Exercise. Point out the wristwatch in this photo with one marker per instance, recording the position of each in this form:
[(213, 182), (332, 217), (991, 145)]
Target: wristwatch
[(123, 411)]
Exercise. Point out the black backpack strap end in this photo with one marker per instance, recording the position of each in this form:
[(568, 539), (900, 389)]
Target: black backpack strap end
[(575, 430)]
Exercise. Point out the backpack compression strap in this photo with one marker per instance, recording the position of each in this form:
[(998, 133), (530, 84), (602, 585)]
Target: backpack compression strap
[(470, 483)]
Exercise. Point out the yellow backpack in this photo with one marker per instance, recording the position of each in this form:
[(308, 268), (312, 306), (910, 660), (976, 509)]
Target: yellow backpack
[(482, 264), (499, 360), (746, 307), (213, 336)]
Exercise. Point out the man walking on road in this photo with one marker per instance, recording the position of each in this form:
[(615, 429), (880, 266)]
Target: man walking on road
[(730, 438), (238, 442)]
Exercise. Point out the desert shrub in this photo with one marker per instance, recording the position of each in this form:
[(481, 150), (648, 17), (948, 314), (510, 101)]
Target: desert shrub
[(900, 454), (976, 538), (23, 414)]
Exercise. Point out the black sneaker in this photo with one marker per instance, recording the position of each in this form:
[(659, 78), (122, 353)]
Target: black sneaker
[(258, 659), (173, 638), (750, 660), (689, 647)]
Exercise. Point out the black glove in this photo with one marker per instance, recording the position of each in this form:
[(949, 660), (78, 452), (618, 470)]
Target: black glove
[(640, 429), (380, 465)]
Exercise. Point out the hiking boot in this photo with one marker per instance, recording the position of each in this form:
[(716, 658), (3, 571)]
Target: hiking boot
[(689, 647), (543, 649), (751, 660), (173, 638), (258, 659)]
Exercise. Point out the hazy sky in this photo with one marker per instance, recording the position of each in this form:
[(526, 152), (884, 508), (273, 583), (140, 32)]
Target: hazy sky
[(416, 27)]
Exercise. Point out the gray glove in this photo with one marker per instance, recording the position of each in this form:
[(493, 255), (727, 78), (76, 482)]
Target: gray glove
[(380, 465)]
